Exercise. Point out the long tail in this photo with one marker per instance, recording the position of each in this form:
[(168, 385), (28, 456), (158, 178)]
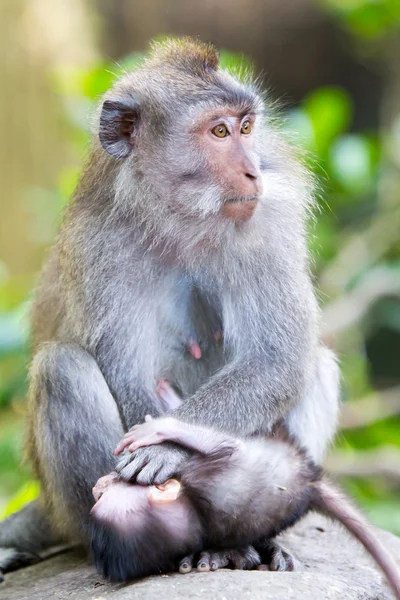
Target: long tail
[(327, 499)]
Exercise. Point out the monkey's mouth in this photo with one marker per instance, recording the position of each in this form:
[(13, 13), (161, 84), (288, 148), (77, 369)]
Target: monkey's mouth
[(241, 200), (239, 209)]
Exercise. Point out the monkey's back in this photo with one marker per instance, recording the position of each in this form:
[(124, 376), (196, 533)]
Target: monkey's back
[(261, 490)]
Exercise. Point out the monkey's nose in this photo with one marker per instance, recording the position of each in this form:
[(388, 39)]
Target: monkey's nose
[(253, 180), (251, 173)]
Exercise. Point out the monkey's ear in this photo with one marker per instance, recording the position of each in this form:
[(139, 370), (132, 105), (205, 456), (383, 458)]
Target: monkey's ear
[(166, 492), (118, 126)]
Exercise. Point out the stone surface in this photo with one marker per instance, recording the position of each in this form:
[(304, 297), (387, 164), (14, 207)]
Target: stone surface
[(331, 566)]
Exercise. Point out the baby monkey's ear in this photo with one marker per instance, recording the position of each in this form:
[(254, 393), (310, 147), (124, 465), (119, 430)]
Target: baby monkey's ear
[(166, 492)]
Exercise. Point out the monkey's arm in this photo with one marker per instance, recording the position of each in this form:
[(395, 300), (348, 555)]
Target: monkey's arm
[(156, 431), (248, 396), (270, 330)]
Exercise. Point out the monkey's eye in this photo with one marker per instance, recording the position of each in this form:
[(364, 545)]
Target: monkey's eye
[(220, 131), (246, 127)]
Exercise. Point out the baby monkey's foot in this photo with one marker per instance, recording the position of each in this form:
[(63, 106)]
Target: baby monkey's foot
[(168, 394), (274, 556), (245, 558)]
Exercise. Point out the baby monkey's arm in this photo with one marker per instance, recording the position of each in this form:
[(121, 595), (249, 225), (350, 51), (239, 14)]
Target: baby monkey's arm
[(167, 429)]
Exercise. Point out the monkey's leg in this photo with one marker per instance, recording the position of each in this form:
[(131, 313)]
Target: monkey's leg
[(75, 425), (313, 421), (24, 537)]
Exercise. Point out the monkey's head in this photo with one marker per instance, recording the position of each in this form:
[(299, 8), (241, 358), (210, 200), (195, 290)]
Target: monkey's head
[(188, 133), (141, 530)]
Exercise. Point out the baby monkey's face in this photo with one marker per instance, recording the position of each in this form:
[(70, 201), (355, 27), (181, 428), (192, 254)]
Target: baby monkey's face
[(156, 526)]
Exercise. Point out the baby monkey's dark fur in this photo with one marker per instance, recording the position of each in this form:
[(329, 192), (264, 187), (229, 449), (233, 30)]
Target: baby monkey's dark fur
[(233, 492)]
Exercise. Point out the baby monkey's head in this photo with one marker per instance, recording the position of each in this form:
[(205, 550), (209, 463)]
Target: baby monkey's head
[(141, 530)]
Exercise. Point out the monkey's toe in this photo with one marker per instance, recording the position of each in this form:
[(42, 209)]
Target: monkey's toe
[(238, 558), (212, 561), (276, 557), (206, 561), (186, 564), (245, 559), (282, 561), (203, 564), (219, 560)]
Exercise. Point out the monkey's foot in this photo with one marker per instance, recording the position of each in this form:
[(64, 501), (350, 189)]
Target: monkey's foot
[(12, 558), (167, 393), (273, 555), (240, 558)]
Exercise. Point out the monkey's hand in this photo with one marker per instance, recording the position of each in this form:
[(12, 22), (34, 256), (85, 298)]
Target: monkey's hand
[(152, 464), (149, 433), (103, 483)]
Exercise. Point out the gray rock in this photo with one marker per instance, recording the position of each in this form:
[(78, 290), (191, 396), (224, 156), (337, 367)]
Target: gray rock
[(330, 566)]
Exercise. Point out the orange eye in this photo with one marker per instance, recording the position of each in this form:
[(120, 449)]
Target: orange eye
[(220, 131), (246, 127)]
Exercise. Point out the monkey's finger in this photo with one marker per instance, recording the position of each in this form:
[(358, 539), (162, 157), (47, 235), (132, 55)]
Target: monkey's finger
[(165, 472), (245, 558), (219, 560), (148, 474), (129, 439), (102, 484), (203, 564), (121, 446), (149, 440), (186, 564), (119, 449), (281, 561), (129, 467), (251, 558)]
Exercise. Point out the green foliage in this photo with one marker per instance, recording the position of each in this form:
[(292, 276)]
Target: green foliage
[(367, 19), (27, 492)]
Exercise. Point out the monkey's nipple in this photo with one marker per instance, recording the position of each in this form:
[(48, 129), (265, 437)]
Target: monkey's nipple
[(194, 348)]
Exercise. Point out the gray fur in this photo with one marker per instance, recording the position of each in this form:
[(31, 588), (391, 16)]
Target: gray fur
[(143, 258)]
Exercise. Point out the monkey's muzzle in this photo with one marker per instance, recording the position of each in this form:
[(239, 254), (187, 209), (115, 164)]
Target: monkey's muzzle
[(239, 210)]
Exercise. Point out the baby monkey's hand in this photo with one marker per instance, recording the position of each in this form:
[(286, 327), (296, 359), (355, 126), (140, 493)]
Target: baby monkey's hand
[(152, 431), (103, 483)]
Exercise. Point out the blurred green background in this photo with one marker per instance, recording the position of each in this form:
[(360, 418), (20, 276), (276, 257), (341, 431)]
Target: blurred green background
[(334, 65)]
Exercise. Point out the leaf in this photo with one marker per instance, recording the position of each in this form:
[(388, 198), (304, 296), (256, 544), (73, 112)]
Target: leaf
[(28, 492), (330, 110)]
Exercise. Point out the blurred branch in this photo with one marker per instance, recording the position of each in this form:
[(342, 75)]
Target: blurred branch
[(383, 462), (351, 307), (362, 250), (372, 408)]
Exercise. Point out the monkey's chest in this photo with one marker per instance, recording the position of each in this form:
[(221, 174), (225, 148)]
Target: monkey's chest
[(193, 340)]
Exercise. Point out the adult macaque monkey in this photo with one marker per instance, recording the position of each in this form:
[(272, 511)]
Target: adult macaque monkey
[(189, 220)]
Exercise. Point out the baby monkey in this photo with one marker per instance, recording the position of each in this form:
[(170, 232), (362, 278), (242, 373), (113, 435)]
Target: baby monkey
[(230, 492)]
